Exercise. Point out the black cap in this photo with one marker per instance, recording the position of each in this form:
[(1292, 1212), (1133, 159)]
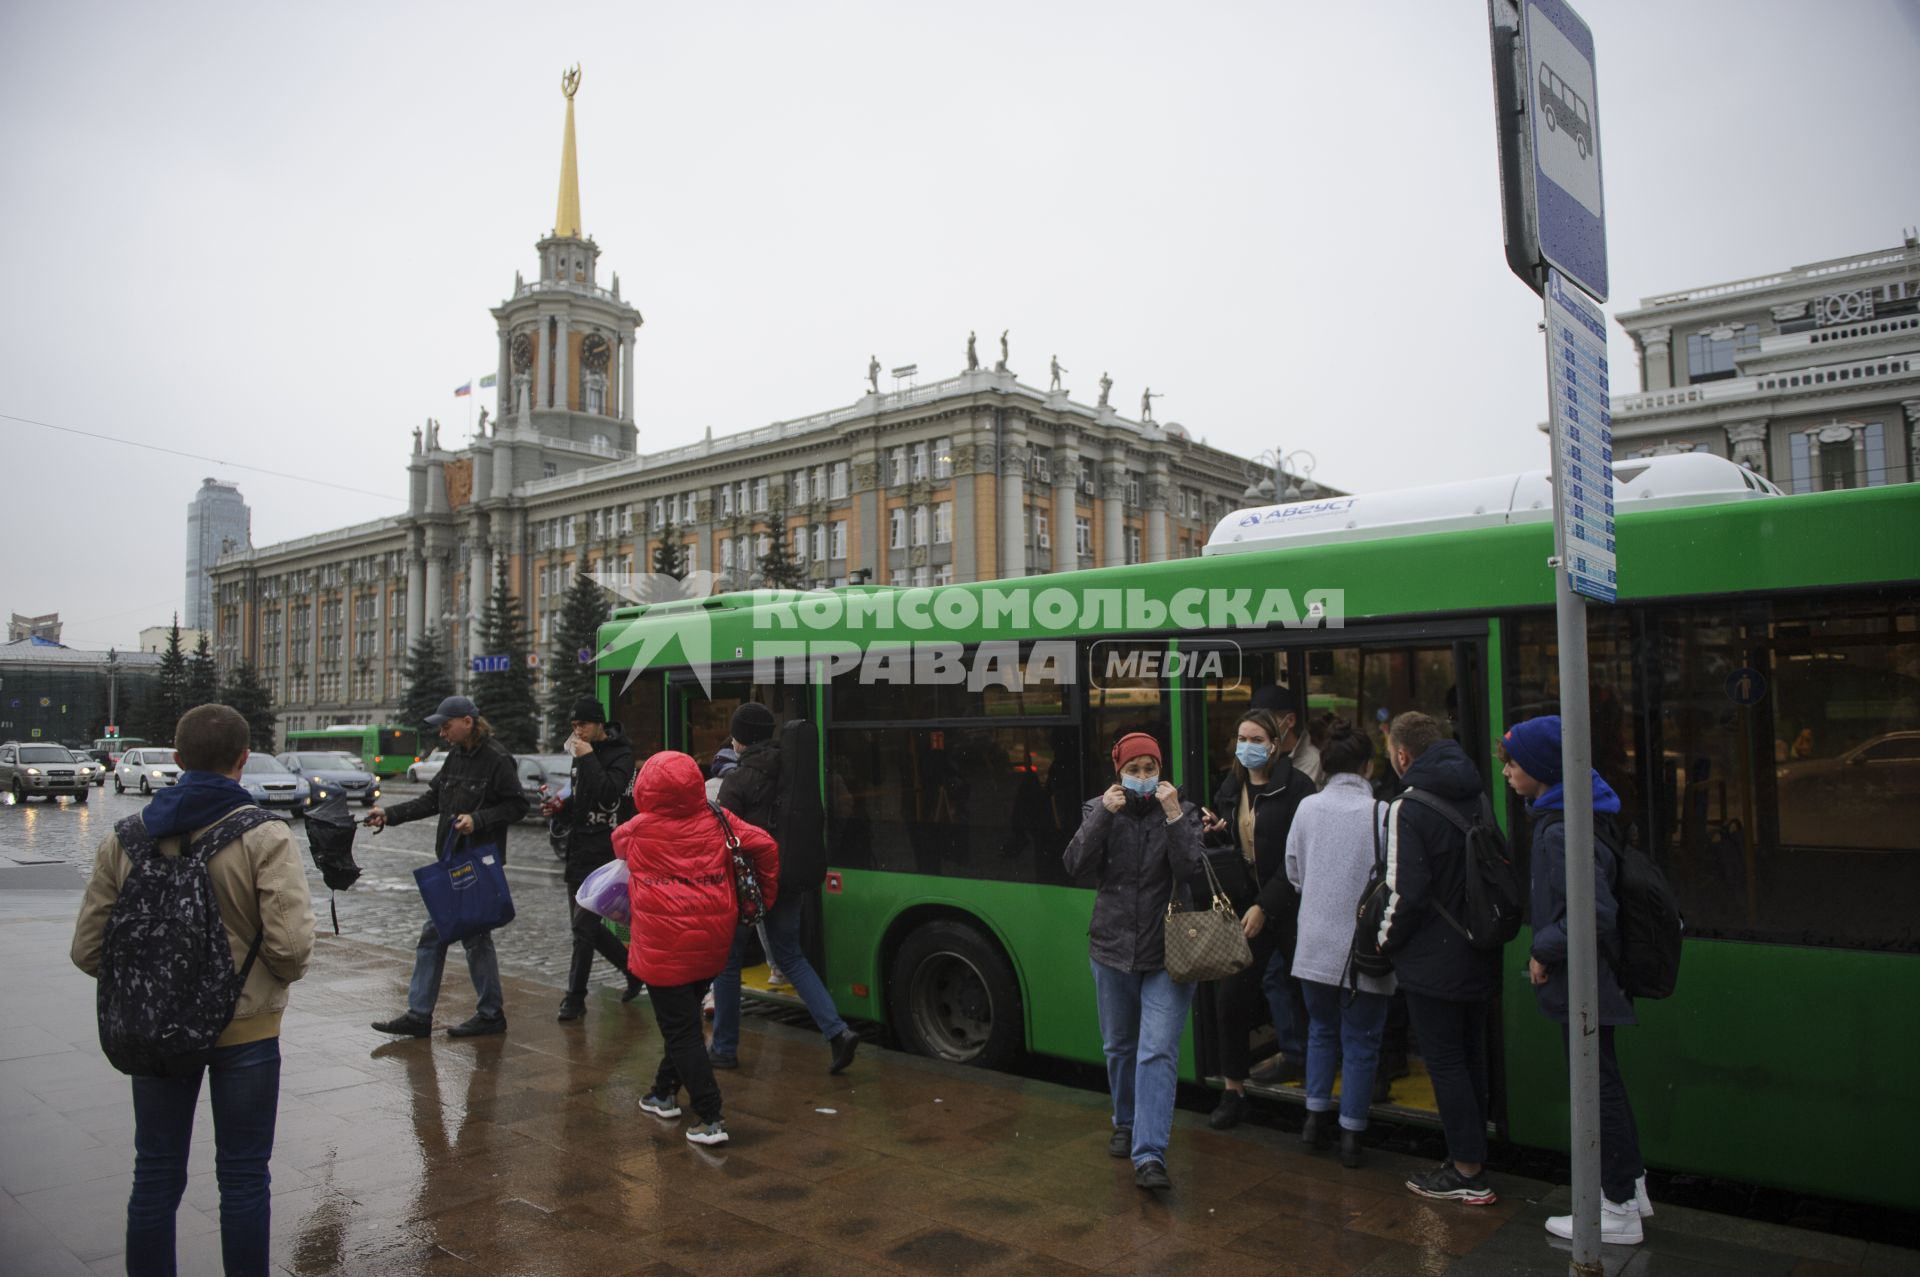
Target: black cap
[(751, 722), (453, 707), (586, 710)]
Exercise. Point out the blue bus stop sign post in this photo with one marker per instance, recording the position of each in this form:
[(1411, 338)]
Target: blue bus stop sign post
[(1547, 107)]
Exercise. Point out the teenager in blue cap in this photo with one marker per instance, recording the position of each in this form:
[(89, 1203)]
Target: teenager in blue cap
[(1531, 752)]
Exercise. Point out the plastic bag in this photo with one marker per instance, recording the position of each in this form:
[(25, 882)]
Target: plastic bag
[(605, 892)]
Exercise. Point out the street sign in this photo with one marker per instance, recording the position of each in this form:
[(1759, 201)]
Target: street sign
[(1582, 438), (533, 660), (1746, 686), (584, 656), (1563, 111), (492, 664)]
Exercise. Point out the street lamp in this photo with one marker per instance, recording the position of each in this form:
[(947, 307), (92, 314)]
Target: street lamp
[(1277, 488)]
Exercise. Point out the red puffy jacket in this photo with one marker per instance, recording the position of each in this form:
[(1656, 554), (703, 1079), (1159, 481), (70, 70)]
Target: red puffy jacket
[(680, 878)]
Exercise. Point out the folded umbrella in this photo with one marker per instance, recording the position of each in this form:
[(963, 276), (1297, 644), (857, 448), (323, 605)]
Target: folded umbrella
[(330, 829)]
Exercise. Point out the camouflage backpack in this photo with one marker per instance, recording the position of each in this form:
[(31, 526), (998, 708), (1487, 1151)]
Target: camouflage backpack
[(167, 983)]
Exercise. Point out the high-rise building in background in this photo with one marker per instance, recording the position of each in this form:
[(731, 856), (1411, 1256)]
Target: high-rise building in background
[(217, 521)]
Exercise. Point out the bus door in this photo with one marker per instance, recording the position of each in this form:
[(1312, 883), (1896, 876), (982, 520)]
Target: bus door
[(1366, 678)]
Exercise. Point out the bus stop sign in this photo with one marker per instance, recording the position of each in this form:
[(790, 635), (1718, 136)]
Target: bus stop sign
[(1564, 117)]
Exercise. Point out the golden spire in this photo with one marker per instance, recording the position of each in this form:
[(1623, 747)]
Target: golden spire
[(566, 219)]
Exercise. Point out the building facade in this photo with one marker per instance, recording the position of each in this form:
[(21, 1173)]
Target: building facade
[(976, 475), (68, 696), (218, 522), (46, 628), (1809, 376)]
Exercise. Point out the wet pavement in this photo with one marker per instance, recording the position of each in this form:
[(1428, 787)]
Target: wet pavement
[(527, 1154)]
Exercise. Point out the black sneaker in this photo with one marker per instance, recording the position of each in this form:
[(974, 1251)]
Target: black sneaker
[(1317, 1131), (1120, 1143), (406, 1024), (1447, 1184), (720, 1061), (635, 987), (572, 1008), (843, 1048), (1151, 1176), (1280, 1069), (1229, 1112), (479, 1026)]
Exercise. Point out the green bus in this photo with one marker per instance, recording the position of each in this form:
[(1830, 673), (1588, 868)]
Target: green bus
[(384, 751), (1756, 702)]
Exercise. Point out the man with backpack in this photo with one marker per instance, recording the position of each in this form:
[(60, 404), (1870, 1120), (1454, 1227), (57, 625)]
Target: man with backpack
[(781, 796), (477, 794), (597, 801), (195, 921), (1531, 754), (1435, 940)]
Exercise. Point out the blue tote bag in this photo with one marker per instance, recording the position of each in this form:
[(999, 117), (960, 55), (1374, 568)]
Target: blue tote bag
[(466, 891)]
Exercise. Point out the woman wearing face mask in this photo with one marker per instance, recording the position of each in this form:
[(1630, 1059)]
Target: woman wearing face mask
[(1251, 814), (1137, 841)]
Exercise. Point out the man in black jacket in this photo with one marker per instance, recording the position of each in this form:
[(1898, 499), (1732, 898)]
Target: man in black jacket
[(1448, 983), (476, 794), (602, 780), (751, 791)]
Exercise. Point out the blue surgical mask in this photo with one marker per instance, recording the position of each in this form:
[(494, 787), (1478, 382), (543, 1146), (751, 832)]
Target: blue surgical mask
[(1141, 785), (1251, 754)]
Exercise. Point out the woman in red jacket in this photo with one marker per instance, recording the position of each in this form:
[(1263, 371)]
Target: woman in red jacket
[(680, 884)]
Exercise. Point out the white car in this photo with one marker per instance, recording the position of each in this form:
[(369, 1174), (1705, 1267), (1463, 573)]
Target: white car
[(427, 768), (145, 770)]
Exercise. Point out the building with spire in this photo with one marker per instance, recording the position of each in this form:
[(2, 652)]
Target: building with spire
[(976, 475)]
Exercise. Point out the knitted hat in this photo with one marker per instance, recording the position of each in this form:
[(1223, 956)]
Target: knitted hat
[(586, 710), (1133, 745), (1535, 745), (751, 722)]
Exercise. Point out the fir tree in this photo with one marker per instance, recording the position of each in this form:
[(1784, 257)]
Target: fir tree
[(669, 557), (778, 570), (428, 682), (203, 676), (569, 678), (506, 700), (167, 699), (246, 693)]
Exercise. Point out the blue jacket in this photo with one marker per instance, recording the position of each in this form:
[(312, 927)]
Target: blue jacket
[(1549, 905)]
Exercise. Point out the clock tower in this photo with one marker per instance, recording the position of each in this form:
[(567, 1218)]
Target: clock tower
[(566, 341)]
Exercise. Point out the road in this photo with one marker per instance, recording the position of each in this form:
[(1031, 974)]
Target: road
[(382, 908)]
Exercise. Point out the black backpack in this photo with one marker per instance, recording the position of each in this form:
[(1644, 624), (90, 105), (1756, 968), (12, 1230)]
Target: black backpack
[(1650, 924), (1494, 901), (1365, 957), (167, 986)]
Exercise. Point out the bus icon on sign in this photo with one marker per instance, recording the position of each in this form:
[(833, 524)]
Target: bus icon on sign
[(1563, 109)]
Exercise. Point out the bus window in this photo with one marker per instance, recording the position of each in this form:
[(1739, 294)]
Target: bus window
[(708, 719), (1122, 698), (640, 710)]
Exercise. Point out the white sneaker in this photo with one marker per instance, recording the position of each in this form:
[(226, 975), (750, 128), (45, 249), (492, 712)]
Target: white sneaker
[(1640, 1198), (1619, 1224)]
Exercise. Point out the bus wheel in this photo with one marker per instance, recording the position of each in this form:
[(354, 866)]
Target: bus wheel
[(952, 996)]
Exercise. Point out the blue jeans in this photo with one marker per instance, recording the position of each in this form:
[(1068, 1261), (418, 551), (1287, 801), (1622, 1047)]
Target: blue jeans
[(783, 937), (1343, 1039), (246, 1097), (1278, 984), (1141, 1016), (430, 960)]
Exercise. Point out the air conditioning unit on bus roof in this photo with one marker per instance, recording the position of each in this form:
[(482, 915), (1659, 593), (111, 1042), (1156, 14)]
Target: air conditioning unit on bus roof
[(1644, 483)]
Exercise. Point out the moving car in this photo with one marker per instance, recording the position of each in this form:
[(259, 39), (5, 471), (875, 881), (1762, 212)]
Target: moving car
[(272, 785), (145, 770), (91, 771), (28, 771), (328, 773), (427, 768)]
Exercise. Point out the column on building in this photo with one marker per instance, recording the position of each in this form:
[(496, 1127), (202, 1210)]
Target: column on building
[(503, 381), (1747, 445), (479, 582), (626, 379), (563, 369), (416, 591), (1066, 483), (1013, 501), (1159, 494), (1656, 347), (543, 381), (502, 471), (1113, 508), (436, 581), (966, 551)]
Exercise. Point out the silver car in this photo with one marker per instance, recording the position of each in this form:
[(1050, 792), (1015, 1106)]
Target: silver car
[(327, 774), (271, 785), (145, 770), (29, 770), (88, 766), (427, 768)]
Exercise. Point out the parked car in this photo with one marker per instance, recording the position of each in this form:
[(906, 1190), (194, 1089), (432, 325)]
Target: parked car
[(145, 770), (427, 768), (28, 771), (329, 773), (90, 770), (272, 785)]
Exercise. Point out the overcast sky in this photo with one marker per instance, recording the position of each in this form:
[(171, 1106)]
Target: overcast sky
[(272, 234)]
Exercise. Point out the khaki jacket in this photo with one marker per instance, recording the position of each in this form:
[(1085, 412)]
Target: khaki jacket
[(262, 890)]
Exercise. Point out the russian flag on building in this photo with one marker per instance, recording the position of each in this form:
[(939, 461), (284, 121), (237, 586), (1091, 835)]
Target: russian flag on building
[(464, 390)]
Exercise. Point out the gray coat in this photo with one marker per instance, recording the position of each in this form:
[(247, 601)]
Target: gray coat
[(1134, 858)]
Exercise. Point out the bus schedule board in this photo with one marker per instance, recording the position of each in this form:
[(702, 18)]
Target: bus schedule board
[(1564, 114), (1582, 438)]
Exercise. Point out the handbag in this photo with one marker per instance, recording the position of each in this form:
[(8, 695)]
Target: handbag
[(1205, 944), (465, 891), (604, 892), (746, 882), (1365, 957)]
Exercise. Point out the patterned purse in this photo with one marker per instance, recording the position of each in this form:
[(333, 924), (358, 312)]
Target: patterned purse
[(1205, 944)]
